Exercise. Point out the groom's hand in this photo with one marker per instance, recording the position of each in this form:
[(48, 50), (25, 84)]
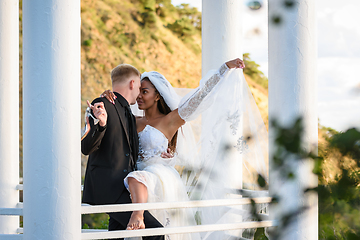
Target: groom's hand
[(99, 112)]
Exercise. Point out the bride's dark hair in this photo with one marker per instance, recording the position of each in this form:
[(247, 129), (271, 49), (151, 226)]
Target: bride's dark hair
[(164, 109)]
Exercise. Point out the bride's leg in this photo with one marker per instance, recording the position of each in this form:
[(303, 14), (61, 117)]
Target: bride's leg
[(139, 194)]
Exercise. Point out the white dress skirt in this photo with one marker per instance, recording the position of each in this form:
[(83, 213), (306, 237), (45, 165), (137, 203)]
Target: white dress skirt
[(162, 181)]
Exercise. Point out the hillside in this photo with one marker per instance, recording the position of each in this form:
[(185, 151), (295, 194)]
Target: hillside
[(147, 34), (138, 33)]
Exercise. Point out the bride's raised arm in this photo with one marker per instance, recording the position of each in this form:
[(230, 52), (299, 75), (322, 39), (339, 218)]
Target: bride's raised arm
[(189, 106), (192, 104)]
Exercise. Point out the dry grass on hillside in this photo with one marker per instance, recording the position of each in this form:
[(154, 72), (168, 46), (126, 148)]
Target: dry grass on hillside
[(112, 33)]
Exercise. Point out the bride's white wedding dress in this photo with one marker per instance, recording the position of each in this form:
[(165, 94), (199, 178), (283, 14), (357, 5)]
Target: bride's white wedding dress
[(162, 181), (225, 126)]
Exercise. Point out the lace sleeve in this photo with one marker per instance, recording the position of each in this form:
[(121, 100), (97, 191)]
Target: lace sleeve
[(189, 108)]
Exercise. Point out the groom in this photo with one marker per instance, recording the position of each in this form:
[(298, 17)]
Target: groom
[(111, 142)]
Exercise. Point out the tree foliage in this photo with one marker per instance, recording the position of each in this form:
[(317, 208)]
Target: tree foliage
[(164, 8), (188, 24), (339, 198), (191, 13), (182, 27), (252, 69)]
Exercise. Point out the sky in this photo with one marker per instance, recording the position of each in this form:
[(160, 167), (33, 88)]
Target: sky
[(338, 60)]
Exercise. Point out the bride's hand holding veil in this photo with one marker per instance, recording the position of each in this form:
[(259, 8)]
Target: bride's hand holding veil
[(236, 63)]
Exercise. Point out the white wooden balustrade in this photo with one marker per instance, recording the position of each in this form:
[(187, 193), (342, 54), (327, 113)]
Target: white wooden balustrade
[(101, 234)]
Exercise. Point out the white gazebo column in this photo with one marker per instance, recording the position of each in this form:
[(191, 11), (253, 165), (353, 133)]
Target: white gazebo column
[(51, 93), (9, 112), (222, 41), (293, 93), (221, 32)]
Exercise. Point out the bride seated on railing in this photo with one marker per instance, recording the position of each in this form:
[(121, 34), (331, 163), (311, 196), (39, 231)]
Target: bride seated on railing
[(232, 134)]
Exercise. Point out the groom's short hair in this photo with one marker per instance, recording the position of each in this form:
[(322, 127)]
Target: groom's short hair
[(122, 72)]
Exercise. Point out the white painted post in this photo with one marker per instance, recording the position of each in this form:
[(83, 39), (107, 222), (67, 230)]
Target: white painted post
[(293, 93), (9, 112), (51, 57), (221, 32), (222, 41)]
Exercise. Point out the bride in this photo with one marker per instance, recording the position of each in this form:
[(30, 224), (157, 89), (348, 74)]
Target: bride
[(156, 179)]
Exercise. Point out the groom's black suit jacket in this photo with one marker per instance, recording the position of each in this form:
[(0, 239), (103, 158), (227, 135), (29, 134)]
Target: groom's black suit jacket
[(112, 153)]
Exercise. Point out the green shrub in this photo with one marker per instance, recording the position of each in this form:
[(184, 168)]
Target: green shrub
[(149, 19), (154, 37), (339, 199), (95, 221), (164, 8), (182, 27), (167, 45), (192, 13), (87, 43), (149, 4), (252, 69)]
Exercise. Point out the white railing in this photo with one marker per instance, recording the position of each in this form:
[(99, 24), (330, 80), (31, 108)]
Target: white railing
[(174, 230), (86, 234), (101, 234), (260, 197), (88, 209)]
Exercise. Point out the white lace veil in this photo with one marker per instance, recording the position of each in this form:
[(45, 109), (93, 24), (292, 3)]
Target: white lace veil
[(230, 150), (164, 88), (233, 148)]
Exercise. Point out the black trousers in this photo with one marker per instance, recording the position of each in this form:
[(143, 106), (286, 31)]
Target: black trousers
[(119, 221)]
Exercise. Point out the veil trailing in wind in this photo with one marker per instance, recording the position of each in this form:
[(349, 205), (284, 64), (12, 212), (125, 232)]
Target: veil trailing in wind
[(230, 146), (232, 149)]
